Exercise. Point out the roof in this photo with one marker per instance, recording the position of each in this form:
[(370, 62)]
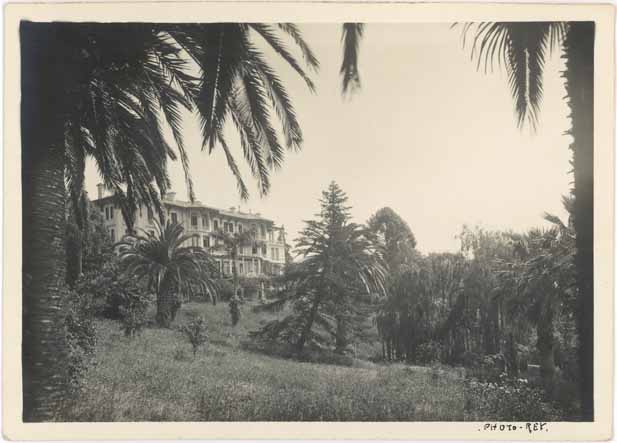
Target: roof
[(198, 205)]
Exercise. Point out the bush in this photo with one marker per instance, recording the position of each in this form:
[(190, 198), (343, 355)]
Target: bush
[(234, 311), (507, 399), (133, 310), (80, 334), (251, 287), (108, 288), (196, 332), (225, 289), (429, 352)]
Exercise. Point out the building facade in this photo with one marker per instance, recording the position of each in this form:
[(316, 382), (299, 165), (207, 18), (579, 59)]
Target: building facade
[(266, 258)]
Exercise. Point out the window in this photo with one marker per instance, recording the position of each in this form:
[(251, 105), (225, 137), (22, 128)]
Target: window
[(112, 234), (151, 232), (205, 222), (272, 252), (194, 220), (174, 217), (140, 212), (264, 251), (206, 241), (240, 229), (263, 231), (241, 268), (231, 227), (111, 212), (254, 250), (216, 225), (225, 226)]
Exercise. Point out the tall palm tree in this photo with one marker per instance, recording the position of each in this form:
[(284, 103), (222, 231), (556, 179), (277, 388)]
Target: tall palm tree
[(232, 244), (95, 90), (169, 267), (522, 47)]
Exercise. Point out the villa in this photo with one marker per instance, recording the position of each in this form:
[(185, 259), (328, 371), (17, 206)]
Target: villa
[(266, 258)]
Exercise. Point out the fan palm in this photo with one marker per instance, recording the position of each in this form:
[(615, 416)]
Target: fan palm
[(522, 48), (539, 282), (168, 267), (96, 90)]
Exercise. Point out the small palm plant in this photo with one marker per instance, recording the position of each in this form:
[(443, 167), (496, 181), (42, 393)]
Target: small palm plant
[(196, 333), (169, 267)]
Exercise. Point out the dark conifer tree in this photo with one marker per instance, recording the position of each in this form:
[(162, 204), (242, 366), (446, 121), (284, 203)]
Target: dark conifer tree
[(341, 268)]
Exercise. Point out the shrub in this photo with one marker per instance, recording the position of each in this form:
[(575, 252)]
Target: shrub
[(234, 311), (196, 332), (108, 288), (507, 399), (80, 334), (225, 289), (429, 352), (180, 354), (133, 312), (251, 287)]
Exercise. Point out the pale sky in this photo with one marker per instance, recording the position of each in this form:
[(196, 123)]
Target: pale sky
[(427, 135)]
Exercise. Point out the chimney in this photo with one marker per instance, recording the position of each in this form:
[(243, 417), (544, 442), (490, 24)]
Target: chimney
[(170, 196), (232, 209), (101, 189)]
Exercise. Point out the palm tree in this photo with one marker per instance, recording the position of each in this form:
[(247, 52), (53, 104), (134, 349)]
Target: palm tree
[(95, 90), (522, 48), (168, 267), (539, 283), (232, 244)]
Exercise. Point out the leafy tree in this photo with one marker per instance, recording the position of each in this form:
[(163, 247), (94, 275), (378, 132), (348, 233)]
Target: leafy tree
[(420, 310), (399, 241), (87, 242), (522, 47), (168, 267), (99, 90), (341, 267)]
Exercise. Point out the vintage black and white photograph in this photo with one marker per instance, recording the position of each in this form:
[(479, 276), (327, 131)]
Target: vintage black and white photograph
[(307, 222)]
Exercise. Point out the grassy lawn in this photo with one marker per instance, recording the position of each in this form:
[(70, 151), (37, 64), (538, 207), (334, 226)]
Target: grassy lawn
[(154, 377)]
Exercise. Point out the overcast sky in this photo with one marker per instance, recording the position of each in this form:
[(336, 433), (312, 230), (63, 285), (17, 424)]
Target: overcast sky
[(427, 135)]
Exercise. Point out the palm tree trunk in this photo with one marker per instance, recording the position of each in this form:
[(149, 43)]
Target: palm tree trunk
[(44, 351), (546, 348), (166, 302), (234, 271), (579, 69)]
